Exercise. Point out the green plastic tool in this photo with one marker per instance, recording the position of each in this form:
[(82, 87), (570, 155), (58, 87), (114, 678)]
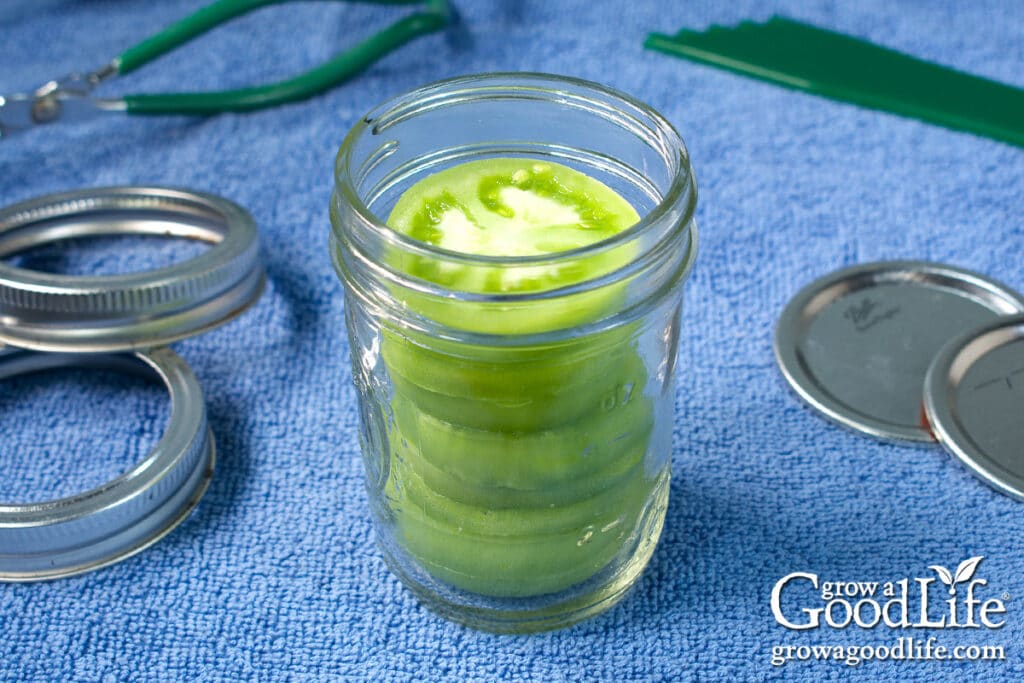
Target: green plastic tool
[(70, 98), (840, 67)]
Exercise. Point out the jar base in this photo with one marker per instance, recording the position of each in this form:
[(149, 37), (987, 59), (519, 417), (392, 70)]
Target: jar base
[(546, 613)]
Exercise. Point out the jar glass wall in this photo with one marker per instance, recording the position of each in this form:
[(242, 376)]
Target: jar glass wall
[(517, 444)]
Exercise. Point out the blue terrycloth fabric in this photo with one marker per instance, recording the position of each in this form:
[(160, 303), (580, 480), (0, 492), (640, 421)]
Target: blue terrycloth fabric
[(276, 576)]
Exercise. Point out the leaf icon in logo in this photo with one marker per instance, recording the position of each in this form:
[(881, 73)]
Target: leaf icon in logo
[(944, 575), (963, 573), (966, 569)]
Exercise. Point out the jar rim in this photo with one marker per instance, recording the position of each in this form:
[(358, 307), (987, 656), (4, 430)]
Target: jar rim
[(682, 188)]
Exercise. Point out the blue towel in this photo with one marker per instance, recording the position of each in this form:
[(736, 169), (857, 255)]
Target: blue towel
[(276, 575)]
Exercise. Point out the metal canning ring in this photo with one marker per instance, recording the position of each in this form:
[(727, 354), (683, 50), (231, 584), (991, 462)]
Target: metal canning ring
[(113, 521), (71, 313)]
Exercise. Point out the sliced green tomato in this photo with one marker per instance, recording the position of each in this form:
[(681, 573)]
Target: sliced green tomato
[(506, 373), (503, 318), (601, 509), (570, 462), (512, 208), (504, 568), (523, 406), (514, 552), (501, 497)]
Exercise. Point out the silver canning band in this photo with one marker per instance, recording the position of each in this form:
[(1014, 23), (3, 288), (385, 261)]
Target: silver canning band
[(96, 528), (55, 312)]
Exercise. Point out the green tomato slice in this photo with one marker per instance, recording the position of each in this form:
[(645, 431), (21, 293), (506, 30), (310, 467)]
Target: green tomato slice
[(552, 465), (503, 568), (512, 207), (501, 497), (508, 568), (515, 552), (513, 389), (602, 509), (518, 408)]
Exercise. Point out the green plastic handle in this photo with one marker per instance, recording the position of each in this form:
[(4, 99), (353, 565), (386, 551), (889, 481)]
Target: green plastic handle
[(437, 14), (848, 69)]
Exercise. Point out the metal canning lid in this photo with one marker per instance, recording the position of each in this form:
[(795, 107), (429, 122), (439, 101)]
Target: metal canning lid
[(96, 528), (856, 344), (974, 400), (53, 312)]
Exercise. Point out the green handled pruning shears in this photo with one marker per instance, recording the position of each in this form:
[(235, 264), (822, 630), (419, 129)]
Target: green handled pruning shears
[(70, 98)]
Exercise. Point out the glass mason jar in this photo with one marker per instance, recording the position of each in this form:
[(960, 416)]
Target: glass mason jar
[(517, 445)]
